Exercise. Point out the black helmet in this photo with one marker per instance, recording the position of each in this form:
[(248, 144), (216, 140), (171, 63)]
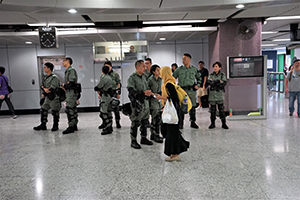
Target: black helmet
[(126, 109)]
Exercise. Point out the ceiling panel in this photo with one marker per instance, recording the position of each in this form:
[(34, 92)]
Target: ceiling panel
[(279, 25), (265, 11), (112, 17), (13, 18), (211, 14), (49, 3), (63, 17), (162, 16)]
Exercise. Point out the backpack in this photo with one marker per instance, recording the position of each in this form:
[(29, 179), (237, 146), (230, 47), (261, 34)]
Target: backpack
[(185, 102)]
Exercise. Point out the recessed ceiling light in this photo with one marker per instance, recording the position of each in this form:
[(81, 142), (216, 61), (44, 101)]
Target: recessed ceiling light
[(28, 42), (72, 11), (162, 38), (240, 6)]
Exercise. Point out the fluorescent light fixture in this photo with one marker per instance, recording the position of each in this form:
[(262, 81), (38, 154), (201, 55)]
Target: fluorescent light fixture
[(162, 38), (175, 22), (62, 24), (284, 17), (281, 40), (28, 42), (269, 32), (269, 45), (72, 11), (175, 29), (240, 6)]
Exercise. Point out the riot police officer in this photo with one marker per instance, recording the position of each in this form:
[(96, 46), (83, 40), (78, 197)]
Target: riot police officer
[(217, 81), (116, 86), (50, 86), (72, 95), (105, 93), (187, 74), (139, 95), (148, 64), (154, 84)]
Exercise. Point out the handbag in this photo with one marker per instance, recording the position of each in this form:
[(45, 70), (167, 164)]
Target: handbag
[(10, 90), (169, 115)]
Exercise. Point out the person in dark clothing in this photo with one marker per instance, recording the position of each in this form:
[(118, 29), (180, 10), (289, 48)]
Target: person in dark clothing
[(4, 93), (174, 142), (202, 91)]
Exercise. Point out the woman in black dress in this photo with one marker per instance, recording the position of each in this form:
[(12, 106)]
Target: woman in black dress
[(174, 142)]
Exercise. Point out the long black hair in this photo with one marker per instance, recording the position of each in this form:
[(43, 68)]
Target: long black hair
[(152, 69)]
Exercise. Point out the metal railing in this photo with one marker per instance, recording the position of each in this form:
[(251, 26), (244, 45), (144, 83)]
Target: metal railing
[(275, 81)]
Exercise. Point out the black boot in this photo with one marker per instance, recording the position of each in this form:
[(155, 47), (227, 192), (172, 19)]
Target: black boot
[(145, 141), (118, 124), (135, 145), (156, 138), (212, 125), (44, 120), (224, 123), (194, 125), (68, 130), (75, 127), (103, 125), (42, 126), (55, 120), (213, 110), (107, 131), (193, 118), (54, 127)]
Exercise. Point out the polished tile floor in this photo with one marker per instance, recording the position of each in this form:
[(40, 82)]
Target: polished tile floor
[(254, 159)]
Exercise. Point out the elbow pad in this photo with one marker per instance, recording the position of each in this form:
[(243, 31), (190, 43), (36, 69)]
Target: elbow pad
[(96, 89), (132, 93)]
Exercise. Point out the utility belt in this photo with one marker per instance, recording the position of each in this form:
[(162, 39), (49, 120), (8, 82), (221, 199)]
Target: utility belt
[(189, 87), (76, 88), (218, 89), (105, 93), (50, 95)]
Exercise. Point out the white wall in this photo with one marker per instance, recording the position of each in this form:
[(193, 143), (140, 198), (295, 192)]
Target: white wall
[(168, 52), (22, 67)]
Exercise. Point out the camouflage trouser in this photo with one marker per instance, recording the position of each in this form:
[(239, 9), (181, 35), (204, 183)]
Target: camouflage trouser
[(139, 119), (155, 121), (54, 105), (105, 111), (71, 108)]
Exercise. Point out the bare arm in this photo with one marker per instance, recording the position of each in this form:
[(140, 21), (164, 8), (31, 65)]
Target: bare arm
[(286, 82)]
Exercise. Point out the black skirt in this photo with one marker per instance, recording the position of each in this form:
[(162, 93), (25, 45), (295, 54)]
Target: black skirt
[(174, 142)]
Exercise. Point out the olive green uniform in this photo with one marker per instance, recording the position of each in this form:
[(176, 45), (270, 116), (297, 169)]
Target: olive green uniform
[(115, 81), (147, 73), (71, 96), (155, 106), (187, 79), (51, 99), (217, 83), (105, 86), (136, 86)]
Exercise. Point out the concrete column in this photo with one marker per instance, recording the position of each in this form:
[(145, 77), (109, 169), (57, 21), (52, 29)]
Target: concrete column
[(224, 43)]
